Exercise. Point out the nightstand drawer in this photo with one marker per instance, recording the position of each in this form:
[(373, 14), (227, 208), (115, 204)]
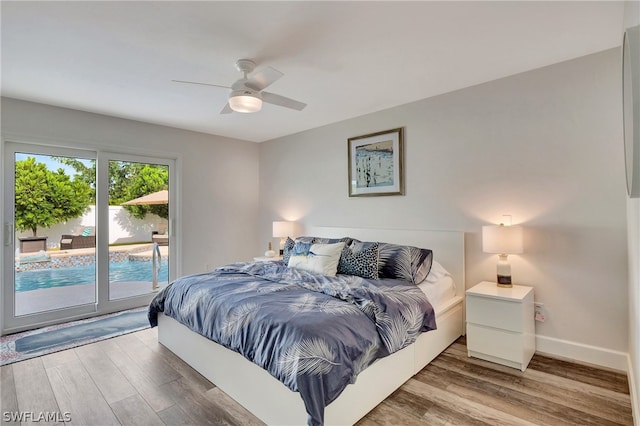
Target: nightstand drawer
[(497, 343), (494, 313)]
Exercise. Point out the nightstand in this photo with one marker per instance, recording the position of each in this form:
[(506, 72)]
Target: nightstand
[(500, 324)]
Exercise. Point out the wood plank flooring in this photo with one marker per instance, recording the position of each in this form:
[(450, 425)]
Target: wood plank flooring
[(133, 380)]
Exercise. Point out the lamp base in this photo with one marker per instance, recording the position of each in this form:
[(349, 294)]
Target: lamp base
[(282, 243), (504, 272), (504, 281)]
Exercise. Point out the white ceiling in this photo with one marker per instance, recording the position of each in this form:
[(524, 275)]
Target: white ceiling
[(344, 59)]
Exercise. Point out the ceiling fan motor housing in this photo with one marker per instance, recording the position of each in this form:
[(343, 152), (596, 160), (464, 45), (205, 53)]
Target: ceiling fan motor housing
[(245, 92), (245, 65)]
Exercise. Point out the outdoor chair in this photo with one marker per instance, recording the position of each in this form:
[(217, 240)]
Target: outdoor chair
[(161, 239), (86, 239)]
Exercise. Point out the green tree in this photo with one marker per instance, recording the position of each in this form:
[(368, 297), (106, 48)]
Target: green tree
[(44, 197), (127, 180), (84, 173), (147, 179)]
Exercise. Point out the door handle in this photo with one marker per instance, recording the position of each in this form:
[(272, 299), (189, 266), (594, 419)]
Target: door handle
[(8, 234)]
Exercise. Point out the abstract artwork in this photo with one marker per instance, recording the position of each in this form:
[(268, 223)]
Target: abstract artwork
[(375, 164)]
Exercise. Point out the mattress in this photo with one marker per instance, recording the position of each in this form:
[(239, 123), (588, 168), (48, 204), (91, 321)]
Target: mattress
[(438, 287)]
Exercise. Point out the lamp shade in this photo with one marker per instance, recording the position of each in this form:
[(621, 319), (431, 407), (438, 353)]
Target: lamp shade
[(502, 239), (282, 229), (240, 101)]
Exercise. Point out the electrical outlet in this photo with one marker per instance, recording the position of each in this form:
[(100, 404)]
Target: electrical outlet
[(539, 312)]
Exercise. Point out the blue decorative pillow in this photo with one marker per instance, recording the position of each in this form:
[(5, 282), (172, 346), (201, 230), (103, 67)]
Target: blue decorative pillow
[(286, 250), (359, 259), (305, 239), (404, 262), (321, 240), (300, 249)]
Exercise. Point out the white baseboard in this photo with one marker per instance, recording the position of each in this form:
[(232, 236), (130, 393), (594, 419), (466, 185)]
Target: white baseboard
[(603, 357)]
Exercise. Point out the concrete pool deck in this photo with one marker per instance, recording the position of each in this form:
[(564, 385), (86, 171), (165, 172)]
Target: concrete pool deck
[(41, 300), (47, 299)]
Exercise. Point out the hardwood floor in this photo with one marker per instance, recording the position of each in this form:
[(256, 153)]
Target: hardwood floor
[(133, 380)]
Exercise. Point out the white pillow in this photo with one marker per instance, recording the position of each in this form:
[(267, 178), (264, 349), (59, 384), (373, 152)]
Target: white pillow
[(321, 258), (436, 273)]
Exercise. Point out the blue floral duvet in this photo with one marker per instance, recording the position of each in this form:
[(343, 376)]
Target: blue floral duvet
[(312, 332)]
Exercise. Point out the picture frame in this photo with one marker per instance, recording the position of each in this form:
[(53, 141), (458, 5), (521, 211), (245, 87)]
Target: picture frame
[(375, 164)]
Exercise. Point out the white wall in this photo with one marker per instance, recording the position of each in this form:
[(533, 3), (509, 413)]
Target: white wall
[(123, 227), (634, 303), (632, 18), (217, 187), (543, 146)]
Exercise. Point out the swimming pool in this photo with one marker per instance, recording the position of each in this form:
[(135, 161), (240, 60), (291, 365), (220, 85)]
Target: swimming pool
[(118, 272)]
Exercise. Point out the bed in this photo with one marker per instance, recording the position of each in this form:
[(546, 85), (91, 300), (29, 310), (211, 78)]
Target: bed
[(274, 403)]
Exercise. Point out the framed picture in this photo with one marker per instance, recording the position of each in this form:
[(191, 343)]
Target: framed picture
[(375, 164)]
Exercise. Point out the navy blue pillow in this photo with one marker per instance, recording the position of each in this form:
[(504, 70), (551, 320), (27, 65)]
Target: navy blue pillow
[(404, 262), (286, 250)]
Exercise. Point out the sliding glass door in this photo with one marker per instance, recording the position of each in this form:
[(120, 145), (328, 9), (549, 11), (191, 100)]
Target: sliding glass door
[(138, 213), (84, 233), (46, 205)]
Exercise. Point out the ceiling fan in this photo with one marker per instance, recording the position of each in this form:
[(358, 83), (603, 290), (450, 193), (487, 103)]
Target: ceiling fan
[(247, 94)]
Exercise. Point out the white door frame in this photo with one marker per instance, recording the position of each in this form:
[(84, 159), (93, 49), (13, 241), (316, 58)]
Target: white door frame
[(11, 323)]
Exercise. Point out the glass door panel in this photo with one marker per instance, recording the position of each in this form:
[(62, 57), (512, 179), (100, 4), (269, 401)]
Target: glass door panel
[(47, 203), (138, 228), (54, 232)]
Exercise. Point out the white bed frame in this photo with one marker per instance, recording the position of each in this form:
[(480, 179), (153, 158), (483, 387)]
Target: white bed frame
[(273, 403)]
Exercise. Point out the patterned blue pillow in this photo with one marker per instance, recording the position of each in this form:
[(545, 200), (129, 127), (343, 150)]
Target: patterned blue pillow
[(321, 240), (404, 262), (300, 249), (359, 259), (306, 239), (286, 250)]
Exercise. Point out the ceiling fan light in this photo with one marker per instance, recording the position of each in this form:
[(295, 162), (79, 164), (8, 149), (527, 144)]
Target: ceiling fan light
[(245, 102)]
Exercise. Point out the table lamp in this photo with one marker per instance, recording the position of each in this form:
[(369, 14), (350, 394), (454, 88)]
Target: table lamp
[(282, 230), (502, 240)]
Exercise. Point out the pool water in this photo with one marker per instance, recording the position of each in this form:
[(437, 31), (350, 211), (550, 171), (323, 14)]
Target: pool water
[(118, 272)]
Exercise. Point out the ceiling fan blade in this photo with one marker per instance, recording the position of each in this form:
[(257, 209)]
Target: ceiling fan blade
[(282, 101), (227, 109), (263, 78), (201, 84)]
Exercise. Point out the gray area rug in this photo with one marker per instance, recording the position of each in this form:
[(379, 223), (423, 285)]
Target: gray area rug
[(21, 346)]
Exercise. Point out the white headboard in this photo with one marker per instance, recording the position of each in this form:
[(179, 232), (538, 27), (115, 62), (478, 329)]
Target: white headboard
[(447, 246)]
